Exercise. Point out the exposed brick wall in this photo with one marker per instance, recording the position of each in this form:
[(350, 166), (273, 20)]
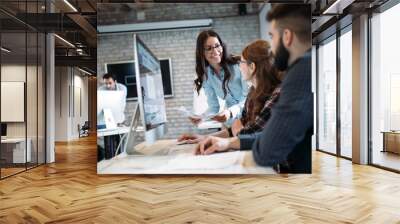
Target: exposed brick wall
[(179, 45), (112, 13)]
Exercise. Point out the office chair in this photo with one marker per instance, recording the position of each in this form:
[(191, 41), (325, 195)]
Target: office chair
[(84, 130)]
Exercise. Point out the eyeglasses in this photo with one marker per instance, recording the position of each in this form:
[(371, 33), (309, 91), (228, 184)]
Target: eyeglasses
[(210, 48), (244, 62)]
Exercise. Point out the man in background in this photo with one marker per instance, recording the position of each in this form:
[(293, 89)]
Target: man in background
[(110, 83), (107, 150)]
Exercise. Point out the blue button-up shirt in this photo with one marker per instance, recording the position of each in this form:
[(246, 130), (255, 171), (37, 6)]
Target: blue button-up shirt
[(236, 93)]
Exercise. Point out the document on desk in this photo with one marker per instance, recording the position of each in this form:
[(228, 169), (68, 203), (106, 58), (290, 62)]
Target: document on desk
[(168, 158), (182, 163), (204, 162)]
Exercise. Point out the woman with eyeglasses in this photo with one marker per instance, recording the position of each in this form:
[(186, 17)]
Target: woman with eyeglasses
[(220, 77), (256, 67)]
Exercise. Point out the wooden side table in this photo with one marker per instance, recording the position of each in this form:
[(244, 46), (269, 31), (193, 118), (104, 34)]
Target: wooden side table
[(391, 141)]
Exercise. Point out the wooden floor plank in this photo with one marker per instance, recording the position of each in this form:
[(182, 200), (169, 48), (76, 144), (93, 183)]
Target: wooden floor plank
[(70, 191)]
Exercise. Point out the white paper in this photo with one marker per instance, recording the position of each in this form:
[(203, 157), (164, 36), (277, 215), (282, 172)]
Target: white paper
[(204, 162), (185, 112)]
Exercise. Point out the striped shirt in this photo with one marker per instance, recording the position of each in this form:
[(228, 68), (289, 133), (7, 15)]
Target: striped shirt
[(262, 118)]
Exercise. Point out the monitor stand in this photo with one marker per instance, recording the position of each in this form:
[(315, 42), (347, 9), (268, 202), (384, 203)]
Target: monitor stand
[(133, 130)]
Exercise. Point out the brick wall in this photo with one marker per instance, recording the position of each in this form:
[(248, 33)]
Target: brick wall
[(179, 45), (111, 13)]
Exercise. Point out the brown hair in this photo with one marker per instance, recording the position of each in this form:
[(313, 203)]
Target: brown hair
[(202, 63), (295, 17), (109, 75), (267, 77)]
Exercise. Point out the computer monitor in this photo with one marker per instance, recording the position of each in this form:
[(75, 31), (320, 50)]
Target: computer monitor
[(150, 91), (110, 100), (3, 130)]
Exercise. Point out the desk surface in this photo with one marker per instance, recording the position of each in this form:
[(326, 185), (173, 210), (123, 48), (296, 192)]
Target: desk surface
[(390, 132), (209, 125), (14, 140), (116, 131), (166, 157)]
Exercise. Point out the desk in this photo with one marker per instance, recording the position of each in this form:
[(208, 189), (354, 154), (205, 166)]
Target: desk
[(165, 157), (17, 149), (209, 125), (109, 132), (112, 144)]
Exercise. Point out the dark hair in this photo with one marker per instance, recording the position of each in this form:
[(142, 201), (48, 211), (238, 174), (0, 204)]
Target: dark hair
[(267, 76), (109, 75), (202, 63), (295, 17)]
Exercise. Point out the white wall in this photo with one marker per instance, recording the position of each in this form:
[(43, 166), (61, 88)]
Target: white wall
[(79, 117), (33, 125), (12, 73), (17, 73), (61, 103), (70, 84)]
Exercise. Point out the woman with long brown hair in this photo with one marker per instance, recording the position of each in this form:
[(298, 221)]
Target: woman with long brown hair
[(219, 75), (256, 66)]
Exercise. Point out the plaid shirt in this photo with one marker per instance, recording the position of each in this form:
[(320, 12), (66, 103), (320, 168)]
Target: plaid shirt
[(262, 118)]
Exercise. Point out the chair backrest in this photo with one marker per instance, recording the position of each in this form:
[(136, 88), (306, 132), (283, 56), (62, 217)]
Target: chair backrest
[(86, 125)]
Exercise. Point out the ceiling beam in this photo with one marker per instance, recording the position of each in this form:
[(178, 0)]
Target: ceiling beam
[(86, 27)]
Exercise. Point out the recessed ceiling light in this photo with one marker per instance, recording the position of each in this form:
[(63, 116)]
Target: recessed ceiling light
[(5, 50)]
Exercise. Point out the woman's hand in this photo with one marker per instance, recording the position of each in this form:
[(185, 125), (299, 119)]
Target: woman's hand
[(191, 138), (222, 117), (195, 120), (236, 127)]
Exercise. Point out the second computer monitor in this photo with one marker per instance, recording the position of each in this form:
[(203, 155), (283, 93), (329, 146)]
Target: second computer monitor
[(150, 91)]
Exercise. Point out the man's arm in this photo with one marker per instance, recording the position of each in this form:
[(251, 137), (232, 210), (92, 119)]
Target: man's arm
[(290, 119), (246, 141), (213, 144)]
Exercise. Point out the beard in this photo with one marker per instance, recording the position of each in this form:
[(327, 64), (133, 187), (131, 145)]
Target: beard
[(281, 57)]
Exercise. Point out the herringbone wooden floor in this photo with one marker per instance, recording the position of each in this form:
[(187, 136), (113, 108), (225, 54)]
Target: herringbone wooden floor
[(70, 191)]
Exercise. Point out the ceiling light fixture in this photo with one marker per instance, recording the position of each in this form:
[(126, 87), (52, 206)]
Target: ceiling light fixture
[(338, 6), (65, 41), (70, 5), (86, 72), (5, 50), (155, 26)]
